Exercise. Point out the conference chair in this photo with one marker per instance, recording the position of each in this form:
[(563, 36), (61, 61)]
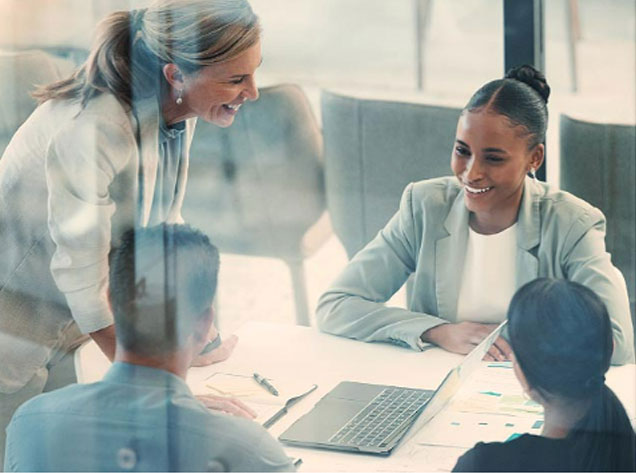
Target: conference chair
[(598, 164), (21, 72), (257, 187), (373, 149)]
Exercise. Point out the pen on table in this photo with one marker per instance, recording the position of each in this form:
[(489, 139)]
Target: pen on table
[(211, 345), (289, 403), (297, 462), (266, 384)]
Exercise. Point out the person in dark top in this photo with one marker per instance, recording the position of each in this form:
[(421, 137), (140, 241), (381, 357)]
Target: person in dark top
[(561, 337)]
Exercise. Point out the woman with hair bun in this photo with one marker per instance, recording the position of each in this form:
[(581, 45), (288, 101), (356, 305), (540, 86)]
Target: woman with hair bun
[(561, 336), (107, 150), (471, 240)]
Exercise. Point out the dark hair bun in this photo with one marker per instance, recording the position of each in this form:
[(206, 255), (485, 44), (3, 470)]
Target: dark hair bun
[(532, 77)]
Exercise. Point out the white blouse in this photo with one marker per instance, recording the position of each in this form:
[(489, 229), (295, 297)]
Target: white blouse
[(488, 279)]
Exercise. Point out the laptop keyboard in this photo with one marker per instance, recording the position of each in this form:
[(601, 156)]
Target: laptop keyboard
[(377, 423)]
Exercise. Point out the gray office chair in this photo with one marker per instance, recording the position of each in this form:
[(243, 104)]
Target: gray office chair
[(373, 149), (598, 164), (21, 72), (257, 187)]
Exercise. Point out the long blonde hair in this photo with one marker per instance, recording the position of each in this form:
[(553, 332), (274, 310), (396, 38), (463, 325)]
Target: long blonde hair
[(131, 48)]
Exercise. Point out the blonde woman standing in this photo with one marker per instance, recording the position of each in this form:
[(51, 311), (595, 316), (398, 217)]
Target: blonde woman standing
[(107, 150)]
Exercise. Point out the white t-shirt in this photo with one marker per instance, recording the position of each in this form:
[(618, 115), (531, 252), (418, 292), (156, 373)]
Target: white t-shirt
[(489, 276)]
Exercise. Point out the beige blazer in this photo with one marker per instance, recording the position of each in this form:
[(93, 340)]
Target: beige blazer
[(71, 182), (558, 235)]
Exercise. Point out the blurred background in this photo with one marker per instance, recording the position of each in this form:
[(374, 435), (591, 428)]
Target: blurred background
[(374, 49)]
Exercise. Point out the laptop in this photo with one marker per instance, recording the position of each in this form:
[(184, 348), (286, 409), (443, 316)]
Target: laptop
[(373, 418)]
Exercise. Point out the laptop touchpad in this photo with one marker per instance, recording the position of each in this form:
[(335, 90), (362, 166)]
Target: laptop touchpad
[(322, 422)]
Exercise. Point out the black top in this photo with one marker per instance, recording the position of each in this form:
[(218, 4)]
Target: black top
[(530, 453)]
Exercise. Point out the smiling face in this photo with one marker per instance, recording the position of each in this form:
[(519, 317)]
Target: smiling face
[(214, 93), (491, 159)]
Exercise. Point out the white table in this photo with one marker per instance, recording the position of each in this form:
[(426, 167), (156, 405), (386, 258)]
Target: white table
[(282, 351)]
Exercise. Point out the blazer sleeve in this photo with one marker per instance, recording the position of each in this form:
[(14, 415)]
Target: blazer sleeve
[(353, 306), (586, 261), (82, 160)]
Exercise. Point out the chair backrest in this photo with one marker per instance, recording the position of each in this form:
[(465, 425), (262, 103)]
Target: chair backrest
[(257, 186), (21, 72), (373, 149), (598, 164)]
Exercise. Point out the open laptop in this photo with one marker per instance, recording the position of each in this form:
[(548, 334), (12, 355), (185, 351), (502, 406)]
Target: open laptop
[(372, 418)]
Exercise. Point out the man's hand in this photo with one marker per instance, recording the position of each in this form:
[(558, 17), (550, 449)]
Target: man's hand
[(229, 405), (499, 351), (459, 338), (221, 353)]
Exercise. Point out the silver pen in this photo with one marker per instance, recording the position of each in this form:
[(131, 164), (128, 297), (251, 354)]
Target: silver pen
[(290, 402), (266, 384)]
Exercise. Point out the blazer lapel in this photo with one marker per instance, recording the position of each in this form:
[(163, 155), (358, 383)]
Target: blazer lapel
[(528, 233), (147, 112), (450, 252)]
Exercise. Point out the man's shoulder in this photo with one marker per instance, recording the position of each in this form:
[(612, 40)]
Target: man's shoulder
[(56, 401), (114, 411), (60, 407)]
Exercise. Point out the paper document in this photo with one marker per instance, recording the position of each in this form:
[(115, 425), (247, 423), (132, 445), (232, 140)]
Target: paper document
[(489, 407), (244, 387), (495, 390), (463, 430)]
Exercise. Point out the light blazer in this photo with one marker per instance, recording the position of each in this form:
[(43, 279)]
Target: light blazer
[(71, 182), (558, 235)]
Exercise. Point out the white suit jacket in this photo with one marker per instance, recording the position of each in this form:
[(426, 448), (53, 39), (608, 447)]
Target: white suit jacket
[(558, 236), (71, 182)]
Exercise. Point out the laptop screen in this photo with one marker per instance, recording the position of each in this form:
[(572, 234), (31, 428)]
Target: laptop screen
[(453, 381), (473, 359)]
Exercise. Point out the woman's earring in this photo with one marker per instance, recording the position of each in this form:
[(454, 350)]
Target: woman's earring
[(533, 173), (179, 96)]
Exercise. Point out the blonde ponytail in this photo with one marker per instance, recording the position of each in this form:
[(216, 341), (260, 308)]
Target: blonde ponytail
[(107, 68)]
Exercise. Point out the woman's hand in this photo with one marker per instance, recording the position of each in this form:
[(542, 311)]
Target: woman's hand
[(459, 338), (221, 353), (229, 405), (499, 351)]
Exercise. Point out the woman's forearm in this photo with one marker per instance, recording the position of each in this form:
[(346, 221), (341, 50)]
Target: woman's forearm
[(105, 338)]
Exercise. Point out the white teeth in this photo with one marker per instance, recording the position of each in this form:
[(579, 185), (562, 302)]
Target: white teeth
[(234, 107), (472, 190)]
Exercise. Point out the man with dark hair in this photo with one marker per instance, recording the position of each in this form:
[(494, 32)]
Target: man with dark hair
[(142, 415)]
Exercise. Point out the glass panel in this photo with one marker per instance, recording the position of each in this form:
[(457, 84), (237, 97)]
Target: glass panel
[(590, 51), (339, 42), (355, 44), (263, 168)]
